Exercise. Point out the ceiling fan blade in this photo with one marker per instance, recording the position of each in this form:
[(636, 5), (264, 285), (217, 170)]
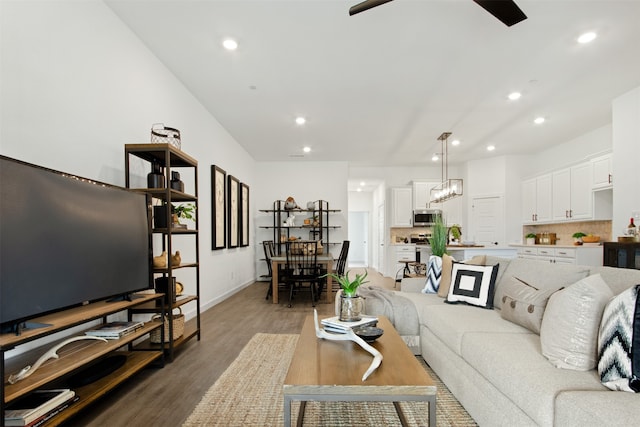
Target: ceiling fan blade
[(506, 11), (366, 5)]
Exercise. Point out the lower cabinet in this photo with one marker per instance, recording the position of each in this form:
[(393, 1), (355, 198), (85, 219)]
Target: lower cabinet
[(562, 254), (622, 255)]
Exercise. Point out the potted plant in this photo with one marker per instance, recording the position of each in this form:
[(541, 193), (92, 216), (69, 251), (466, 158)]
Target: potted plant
[(531, 239), (186, 211), (438, 242), (577, 238), (350, 303), (455, 233)]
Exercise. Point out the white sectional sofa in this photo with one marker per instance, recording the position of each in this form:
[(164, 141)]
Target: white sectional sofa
[(496, 368)]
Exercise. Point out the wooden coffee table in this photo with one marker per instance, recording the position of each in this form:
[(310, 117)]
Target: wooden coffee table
[(325, 370)]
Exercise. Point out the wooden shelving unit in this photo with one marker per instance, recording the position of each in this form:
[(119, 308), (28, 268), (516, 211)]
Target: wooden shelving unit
[(171, 158), (79, 354)]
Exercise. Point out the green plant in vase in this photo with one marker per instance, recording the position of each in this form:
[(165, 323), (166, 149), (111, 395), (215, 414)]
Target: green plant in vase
[(531, 239), (186, 211), (577, 237), (350, 303)]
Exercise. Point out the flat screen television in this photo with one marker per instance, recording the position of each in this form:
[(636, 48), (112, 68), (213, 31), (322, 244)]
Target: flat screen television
[(66, 241)]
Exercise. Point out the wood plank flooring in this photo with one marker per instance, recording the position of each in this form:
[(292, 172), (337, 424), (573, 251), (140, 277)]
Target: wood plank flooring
[(166, 397)]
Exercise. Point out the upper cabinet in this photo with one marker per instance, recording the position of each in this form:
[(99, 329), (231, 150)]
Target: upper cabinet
[(571, 193), (422, 193), (401, 207), (602, 172), (536, 199)]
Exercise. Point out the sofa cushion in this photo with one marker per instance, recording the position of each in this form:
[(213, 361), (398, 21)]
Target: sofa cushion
[(472, 284), (619, 342), (596, 408), (540, 274), (523, 304), (514, 364), (450, 323), (569, 331), (619, 279)]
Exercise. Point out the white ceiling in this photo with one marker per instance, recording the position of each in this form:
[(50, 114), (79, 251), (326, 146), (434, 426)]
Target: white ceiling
[(379, 88)]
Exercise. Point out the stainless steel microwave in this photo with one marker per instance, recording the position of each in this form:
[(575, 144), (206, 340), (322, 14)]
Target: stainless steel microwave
[(425, 217)]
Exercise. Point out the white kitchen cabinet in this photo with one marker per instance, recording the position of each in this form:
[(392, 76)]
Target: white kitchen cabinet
[(401, 207), (579, 255), (572, 197), (536, 199), (400, 255), (422, 193), (602, 172)]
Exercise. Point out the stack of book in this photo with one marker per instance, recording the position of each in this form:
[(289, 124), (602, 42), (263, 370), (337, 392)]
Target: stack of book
[(38, 407), (334, 324), (115, 330)]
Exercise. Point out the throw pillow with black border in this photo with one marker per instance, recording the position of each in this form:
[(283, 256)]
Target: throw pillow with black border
[(473, 285)]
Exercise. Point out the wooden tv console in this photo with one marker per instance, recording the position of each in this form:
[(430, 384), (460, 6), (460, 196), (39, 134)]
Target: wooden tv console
[(78, 354)]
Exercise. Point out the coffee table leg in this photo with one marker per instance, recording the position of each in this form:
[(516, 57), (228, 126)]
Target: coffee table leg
[(287, 411)]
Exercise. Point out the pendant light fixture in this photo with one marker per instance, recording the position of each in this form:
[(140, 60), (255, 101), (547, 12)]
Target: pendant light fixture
[(448, 188)]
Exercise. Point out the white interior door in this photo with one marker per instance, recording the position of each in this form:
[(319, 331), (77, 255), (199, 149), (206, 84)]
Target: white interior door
[(358, 238), (487, 221)]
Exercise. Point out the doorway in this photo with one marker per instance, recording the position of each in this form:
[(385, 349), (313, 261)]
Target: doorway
[(359, 239)]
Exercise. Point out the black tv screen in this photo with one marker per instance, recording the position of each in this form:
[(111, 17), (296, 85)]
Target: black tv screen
[(65, 241)]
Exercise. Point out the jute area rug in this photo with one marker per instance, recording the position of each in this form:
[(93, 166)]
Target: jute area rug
[(249, 393)]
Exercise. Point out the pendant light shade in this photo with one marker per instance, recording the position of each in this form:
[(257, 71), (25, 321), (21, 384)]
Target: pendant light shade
[(448, 188)]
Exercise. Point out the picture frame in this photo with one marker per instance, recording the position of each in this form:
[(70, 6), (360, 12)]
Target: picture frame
[(233, 211), (218, 208), (244, 214)]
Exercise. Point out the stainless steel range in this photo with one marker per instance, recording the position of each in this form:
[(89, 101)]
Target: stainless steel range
[(423, 249)]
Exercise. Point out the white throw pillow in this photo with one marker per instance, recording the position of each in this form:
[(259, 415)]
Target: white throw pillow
[(569, 330), (472, 284)]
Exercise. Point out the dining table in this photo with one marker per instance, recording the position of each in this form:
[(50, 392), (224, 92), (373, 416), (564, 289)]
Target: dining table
[(326, 260)]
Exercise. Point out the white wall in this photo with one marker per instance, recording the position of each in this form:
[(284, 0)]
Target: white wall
[(626, 159), (77, 85)]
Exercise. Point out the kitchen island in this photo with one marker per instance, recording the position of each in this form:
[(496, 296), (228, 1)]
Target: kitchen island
[(461, 252)]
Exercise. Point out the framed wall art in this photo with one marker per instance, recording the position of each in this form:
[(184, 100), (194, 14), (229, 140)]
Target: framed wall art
[(218, 208), (244, 214), (233, 211)]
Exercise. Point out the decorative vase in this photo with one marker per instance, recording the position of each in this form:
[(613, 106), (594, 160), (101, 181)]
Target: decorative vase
[(155, 179), (176, 183), (350, 308)]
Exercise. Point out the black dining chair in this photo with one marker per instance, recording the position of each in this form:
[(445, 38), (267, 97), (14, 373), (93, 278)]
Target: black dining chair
[(341, 263), (301, 268), (269, 250)]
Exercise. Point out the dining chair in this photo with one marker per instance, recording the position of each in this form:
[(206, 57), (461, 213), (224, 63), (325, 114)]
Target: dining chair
[(301, 268), (269, 250), (341, 263)]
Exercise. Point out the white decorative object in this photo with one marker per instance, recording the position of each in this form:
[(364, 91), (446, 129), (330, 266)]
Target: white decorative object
[(350, 336), (51, 354), (290, 222)]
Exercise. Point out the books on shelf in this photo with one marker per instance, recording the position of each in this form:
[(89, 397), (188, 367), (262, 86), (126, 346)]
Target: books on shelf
[(334, 324), (115, 330), (37, 406)]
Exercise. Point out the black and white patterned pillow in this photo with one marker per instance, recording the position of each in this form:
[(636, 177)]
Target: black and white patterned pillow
[(619, 342), (473, 284)]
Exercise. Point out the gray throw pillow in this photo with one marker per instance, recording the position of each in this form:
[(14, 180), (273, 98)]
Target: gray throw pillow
[(524, 304), (569, 330)]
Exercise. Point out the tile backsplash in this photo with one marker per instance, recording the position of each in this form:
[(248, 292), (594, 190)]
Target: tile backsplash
[(564, 231)]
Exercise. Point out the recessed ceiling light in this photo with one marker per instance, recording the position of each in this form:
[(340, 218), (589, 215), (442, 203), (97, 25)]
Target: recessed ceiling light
[(455, 142), (362, 183), (538, 120), (587, 37), (301, 120), (307, 149), (491, 147), (514, 95), (359, 190), (435, 158), (230, 44)]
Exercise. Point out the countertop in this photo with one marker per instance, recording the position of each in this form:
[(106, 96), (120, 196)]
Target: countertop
[(515, 245)]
